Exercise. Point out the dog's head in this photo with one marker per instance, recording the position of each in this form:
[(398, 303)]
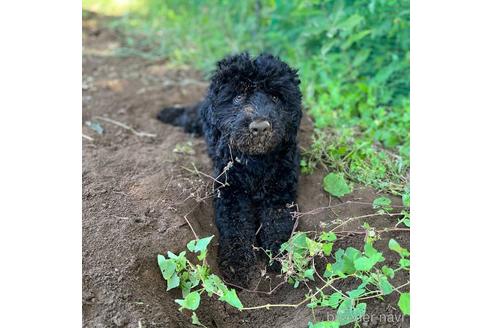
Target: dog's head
[(255, 103)]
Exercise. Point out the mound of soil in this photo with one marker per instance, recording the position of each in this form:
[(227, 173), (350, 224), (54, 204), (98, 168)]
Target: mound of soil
[(140, 184)]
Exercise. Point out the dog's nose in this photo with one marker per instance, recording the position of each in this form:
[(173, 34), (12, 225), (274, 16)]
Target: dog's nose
[(259, 127)]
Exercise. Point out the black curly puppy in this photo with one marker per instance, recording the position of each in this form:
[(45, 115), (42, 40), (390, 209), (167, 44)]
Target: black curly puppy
[(250, 118)]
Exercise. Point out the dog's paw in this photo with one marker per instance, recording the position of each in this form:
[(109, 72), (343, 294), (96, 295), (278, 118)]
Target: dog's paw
[(236, 262), (235, 274)]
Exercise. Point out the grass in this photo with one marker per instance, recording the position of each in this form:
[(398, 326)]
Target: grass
[(352, 56)]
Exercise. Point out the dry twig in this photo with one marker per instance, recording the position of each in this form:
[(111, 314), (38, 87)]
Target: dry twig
[(129, 128)]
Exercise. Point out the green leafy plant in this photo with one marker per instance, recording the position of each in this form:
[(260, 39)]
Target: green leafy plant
[(298, 258), (194, 280), (335, 184), (406, 211), (382, 204), (357, 160), (404, 303)]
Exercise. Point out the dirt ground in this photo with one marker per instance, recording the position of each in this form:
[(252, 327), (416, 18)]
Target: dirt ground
[(138, 187)]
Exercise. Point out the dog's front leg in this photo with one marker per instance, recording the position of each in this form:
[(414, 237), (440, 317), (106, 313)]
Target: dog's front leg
[(276, 227), (235, 221)]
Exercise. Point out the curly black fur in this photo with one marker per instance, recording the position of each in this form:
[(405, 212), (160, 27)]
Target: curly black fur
[(259, 170)]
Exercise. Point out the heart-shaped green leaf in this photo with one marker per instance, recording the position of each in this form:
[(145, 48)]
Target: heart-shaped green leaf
[(335, 184)]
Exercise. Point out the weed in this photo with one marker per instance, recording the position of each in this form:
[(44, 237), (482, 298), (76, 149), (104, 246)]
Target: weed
[(298, 260)]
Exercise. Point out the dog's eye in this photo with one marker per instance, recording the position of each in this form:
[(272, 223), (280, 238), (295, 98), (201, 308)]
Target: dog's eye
[(238, 99), (275, 99)]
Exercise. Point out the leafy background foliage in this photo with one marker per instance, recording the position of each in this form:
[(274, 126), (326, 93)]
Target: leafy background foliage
[(352, 56)]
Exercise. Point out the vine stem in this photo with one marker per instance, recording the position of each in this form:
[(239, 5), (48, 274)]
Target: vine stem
[(257, 291), (377, 231), (268, 306), (397, 289), (189, 224), (363, 217)]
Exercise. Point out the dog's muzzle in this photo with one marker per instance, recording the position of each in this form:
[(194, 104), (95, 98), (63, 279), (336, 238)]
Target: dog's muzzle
[(257, 139)]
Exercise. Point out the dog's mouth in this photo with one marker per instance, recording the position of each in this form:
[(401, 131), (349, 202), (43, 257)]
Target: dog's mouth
[(254, 144)]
